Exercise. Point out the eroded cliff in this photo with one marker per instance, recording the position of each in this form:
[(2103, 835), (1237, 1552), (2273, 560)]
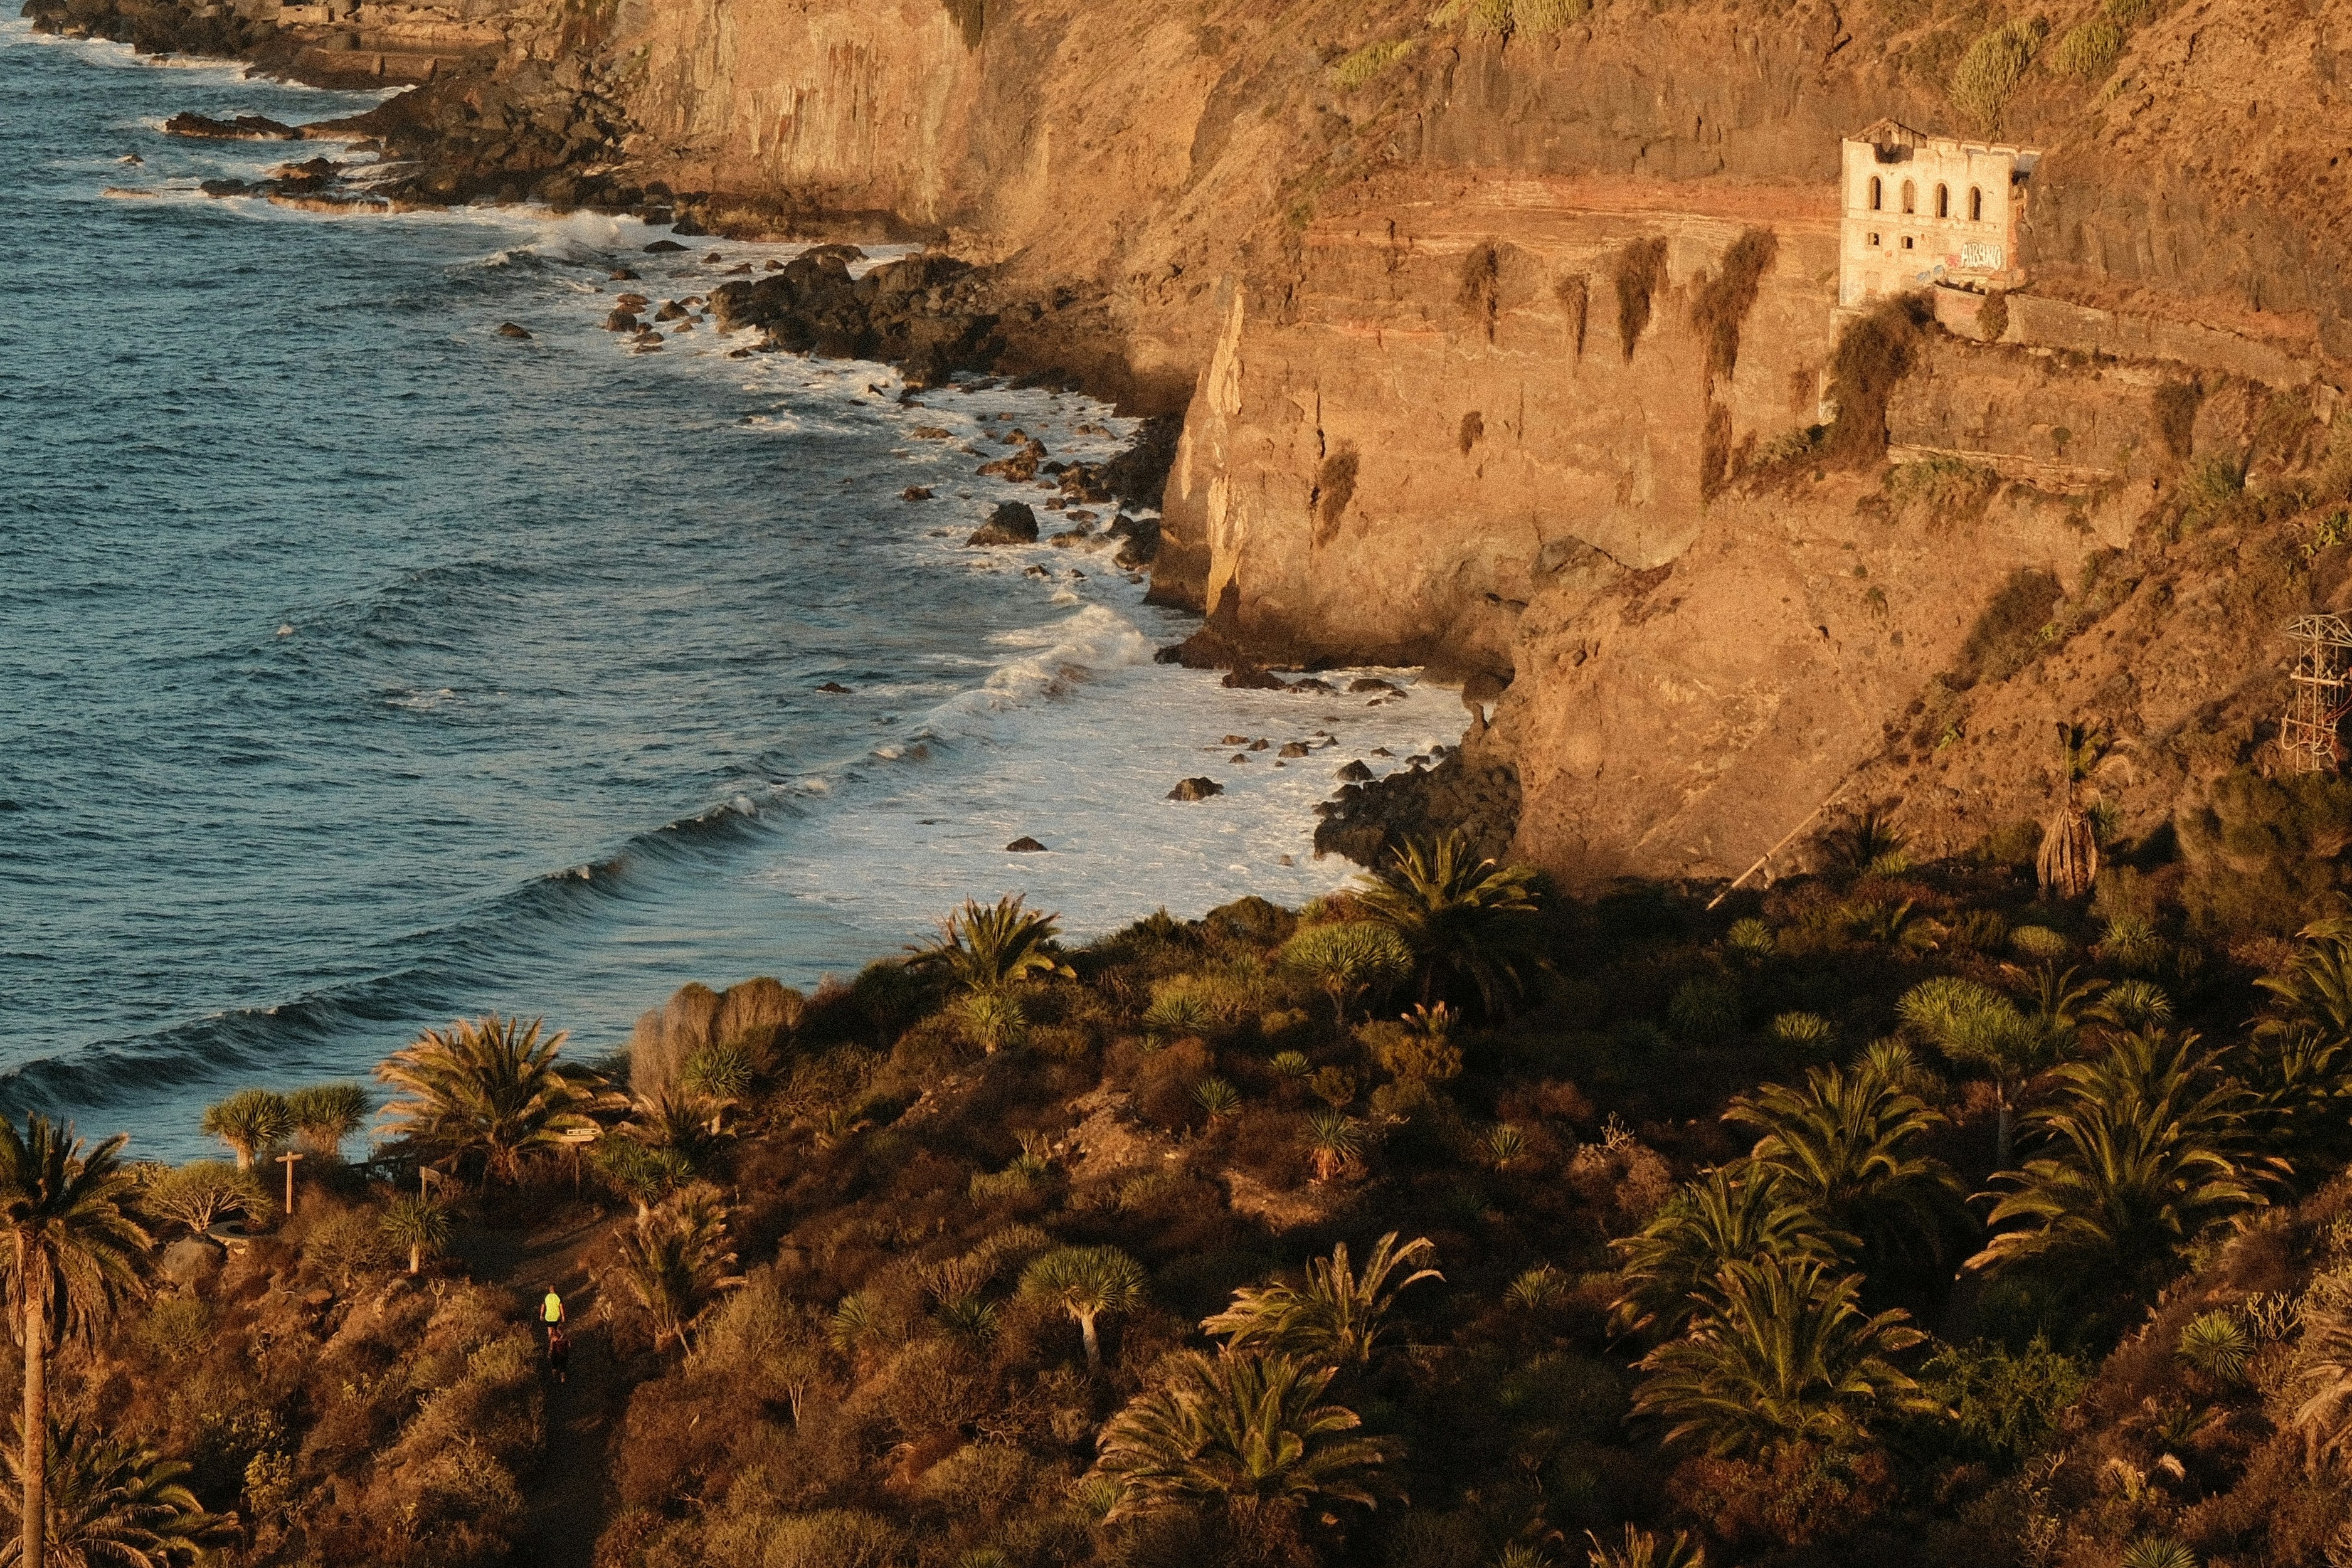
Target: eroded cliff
[(1507, 343)]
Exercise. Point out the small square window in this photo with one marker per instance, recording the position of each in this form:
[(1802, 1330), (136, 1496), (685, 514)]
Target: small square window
[(1874, 241), (1906, 242)]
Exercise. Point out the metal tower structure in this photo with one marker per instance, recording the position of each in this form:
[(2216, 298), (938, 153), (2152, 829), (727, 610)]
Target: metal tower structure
[(2321, 693)]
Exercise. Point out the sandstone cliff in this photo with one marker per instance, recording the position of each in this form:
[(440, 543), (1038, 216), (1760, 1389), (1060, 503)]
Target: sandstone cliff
[(1508, 346)]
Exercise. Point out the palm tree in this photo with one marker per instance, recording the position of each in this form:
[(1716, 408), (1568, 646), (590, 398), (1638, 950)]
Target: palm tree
[(1334, 1317), (1245, 1432), (1331, 1142), (1735, 1213), (992, 950), (675, 1262), (1464, 918), (2147, 1150), (417, 1222), (1088, 1282), (2315, 990), (198, 1193), (489, 1086), (77, 1253), (1847, 1145), (1789, 1356), (252, 1122), (324, 1114), (1868, 841), (1642, 1550), (1348, 959), (1972, 1023), (115, 1505), (2323, 1419)]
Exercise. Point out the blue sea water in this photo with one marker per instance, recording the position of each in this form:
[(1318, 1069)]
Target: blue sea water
[(360, 668)]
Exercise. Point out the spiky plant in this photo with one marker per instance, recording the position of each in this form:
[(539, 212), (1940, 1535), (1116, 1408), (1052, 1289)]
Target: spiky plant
[(992, 1020), (1089, 1283), (2324, 1374), (1788, 1355), (69, 1253), (2157, 1551), (2216, 1344), (1291, 1065), (1849, 1143), (1246, 1433), (993, 948), (1503, 1144), (641, 1173), (1218, 1097), (2147, 1151), (1973, 1024), (1333, 1318), (2132, 1007), (489, 1088), (1468, 920), (1866, 841), (1537, 1290), (1808, 1034), (113, 1504), (1348, 960), (201, 1192), (1641, 1549), (1751, 939), (675, 1262), (324, 1114), (1331, 1140), (253, 1122), (419, 1224), (1737, 1212), (720, 1075), (2315, 991)]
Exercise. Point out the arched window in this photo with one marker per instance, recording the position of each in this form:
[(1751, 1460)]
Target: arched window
[(1943, 201), (1910, 197), (1877, 194), (1975, 205)]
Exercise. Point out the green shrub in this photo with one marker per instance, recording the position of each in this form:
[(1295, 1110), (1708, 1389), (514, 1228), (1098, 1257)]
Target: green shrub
[(1990, 74), (1951, 490), (2265, 855), (2006, 1403), (1808, 1034), (1369, 62), (2088, 53), (2040, 943), (2216, 1344), (1751, 939), (1703, 1009)]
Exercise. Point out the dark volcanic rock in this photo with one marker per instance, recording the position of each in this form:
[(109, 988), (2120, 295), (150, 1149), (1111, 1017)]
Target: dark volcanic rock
[(1369, 683), (622, 322), (924, 314), (663, 247), (1369, 820), (1355, 773), (1011, 523), (508, 329), (915, 492), (244, 128), (837, 687), (1296, 749), (1138, 475), (1196, 789), (1250, 677), (1025, 845)]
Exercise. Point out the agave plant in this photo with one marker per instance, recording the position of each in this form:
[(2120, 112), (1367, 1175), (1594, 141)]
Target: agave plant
[(116, 1504), (1291, 1065), (1503, 1144), (1738, 1213), (2323, 1418), (1335, 1317), (1807, 1034), (1217, 1097), (1331, 1142), (1245, 1432), (2314, 992), (993, 948), (2147, 1149), (1467, 919), (1788, 1355), (2132, 1007), (1089, 1283), (1640, 1549), (490, 1088), (2157, 1551), (1751, 939), (2216, 1344), (1867, 842), (1537, 1290)]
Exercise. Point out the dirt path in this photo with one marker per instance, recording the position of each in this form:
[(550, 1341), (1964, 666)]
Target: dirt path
[(565, 1498)]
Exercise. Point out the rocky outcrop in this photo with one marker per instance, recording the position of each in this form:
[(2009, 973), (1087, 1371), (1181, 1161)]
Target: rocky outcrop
[(927, 314)]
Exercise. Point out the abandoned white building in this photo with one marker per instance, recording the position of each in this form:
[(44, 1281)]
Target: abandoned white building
[(1923, 210)]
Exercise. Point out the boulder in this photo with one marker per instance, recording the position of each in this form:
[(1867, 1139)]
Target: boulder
[(664, 247), (622, 275), (1196, 789), (1310, 683), (837, 687), (1260, 744), (1355, 773), (915, 492), (1370, 683), (933, 433), (1250, 677), (633, 301), (244, 128), (1025, 845), (1011, 523), (1234, 741), (672, 311), (622, 322), (189, 1261), (713, 257), (508, 329), (1296, 749)]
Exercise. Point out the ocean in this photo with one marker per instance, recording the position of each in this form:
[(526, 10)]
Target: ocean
[(365, 669)]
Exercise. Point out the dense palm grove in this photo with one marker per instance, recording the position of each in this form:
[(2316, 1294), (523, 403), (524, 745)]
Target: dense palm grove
[(1892, 1214)]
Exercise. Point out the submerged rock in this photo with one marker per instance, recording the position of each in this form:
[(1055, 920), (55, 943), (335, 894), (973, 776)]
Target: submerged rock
[(1196, 789), (663, 247), (915, 492), (508, 329), (1025, 845), (243, 128), (1250, 677)]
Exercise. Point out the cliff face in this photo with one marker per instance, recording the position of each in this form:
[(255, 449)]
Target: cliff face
[(1505, 340)]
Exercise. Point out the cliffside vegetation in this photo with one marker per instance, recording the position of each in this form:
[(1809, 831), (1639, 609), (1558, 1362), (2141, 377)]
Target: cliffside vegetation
[(1893, 1212)]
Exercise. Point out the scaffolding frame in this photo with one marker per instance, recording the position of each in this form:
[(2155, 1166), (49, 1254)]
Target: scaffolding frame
[(2320, 694)]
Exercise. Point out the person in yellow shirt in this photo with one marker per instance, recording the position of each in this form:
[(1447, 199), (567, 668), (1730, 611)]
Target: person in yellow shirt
[(551, 1313)]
